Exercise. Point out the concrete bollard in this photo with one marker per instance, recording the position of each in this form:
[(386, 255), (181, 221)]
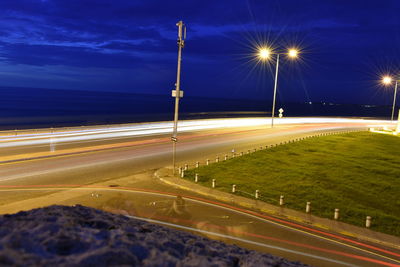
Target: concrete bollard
[(308, 207), (248, 151), (336, 215), (233, 188), (255, 149), (217, 159), (196, 177), (197, 164), (256, 195), (226, 157), (183, 173), (213, 183), (281, 202), (180, 170), (368, 222), (233, 155), (207, 162), (241, 153), (186, 167)]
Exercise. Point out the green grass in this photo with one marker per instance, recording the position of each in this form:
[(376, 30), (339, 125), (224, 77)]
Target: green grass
[(359, 173)]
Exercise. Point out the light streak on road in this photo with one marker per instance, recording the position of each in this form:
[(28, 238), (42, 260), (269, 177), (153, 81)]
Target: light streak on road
[(159, 128), (186, 228)]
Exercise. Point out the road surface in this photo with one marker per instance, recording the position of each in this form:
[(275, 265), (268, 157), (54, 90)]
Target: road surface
[(125, 157)]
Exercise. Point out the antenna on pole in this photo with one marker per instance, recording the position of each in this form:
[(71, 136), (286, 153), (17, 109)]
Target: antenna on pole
[(177, 93)]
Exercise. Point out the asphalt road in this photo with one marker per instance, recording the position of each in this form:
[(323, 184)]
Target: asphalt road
[(127, 157)]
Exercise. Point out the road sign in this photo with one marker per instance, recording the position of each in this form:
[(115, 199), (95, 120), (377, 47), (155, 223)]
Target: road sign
[(280, 112)]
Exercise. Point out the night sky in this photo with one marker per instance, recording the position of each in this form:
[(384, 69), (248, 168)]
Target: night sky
[(130, 46)]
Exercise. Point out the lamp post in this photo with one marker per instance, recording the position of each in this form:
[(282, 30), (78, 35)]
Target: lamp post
[(388, 80), (177, 93), (265, 54)]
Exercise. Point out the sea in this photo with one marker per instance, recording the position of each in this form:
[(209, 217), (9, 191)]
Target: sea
[(32, 108)]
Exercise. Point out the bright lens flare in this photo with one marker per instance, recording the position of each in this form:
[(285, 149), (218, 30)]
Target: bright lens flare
[(264, 53), (293, 53), (387, 80)]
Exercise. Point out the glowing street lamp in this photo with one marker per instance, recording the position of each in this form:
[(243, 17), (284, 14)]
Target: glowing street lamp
[(293, 53), (265, 53), (387, 80)]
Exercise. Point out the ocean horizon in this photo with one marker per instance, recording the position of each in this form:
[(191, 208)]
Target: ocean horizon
[(24, 108)]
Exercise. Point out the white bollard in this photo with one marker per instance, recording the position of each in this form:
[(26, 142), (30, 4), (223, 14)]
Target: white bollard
[(207, 162), (186, 167), (233, 155), (248, 151), (368, 222), (233, 188), (226, 157), (255, 149), (241, 153), (196, 178), (183, 173), (256, 194), (217, 159), (180, 170), (197, 164), (336, 215), (52, 145), (281, 200), (213, 183), (308, 207)]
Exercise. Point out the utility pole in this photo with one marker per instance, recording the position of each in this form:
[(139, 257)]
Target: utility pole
[(177, 93)]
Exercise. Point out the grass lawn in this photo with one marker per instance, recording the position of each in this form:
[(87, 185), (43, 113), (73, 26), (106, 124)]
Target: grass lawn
[(358, 173)]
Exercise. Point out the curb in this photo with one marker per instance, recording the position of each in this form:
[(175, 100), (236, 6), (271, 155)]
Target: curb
[(282, 213)]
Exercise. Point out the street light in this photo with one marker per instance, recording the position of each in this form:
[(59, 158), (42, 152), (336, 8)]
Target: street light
[(264, 54), (387, 80)]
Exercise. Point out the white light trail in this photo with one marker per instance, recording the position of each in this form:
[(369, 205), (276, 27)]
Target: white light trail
[(160, 128)]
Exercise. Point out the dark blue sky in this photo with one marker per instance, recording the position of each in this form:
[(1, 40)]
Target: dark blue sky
[(130, 46)]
